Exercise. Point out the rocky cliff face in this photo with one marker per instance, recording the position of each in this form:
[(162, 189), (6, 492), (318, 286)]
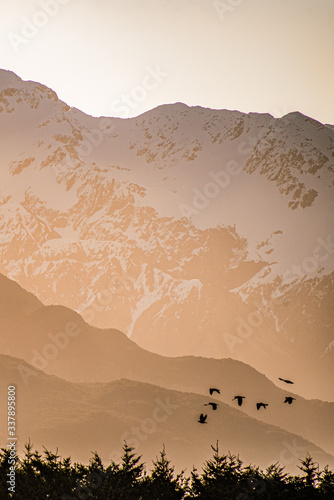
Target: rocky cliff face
[(192, 230)]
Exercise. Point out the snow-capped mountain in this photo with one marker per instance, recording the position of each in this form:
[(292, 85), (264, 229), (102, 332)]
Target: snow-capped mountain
[(192, 230)]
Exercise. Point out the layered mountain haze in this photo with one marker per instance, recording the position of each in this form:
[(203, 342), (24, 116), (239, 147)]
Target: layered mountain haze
[(80, 418), (58, 341), (194, 231)]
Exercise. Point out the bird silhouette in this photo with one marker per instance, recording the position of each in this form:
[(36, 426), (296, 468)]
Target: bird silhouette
[(202, 419), (258, 405), (289, 399), (214, 405), (286, 381), (239, 398), (212, 390)]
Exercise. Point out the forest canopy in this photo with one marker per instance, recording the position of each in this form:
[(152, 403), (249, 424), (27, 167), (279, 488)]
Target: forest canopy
[(48, 476)]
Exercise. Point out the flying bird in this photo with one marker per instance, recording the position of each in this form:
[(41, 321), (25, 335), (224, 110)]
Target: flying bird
[(202, 419), (239, 398), (289, 399), (258, 405), (286, 381), (214, 405), (212, 390)]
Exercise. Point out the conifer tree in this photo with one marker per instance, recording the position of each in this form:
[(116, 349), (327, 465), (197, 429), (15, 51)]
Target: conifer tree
[(125, 481), (310, 469), (196, 488), (48, 477), (220, 474), (162, 483), (326, 483)]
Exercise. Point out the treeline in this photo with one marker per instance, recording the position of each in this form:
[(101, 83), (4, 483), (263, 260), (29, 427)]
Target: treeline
[(47, 476)]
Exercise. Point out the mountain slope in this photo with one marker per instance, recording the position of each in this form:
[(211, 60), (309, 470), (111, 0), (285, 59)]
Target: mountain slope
[(194, 231), (79, 418), (58, 341)]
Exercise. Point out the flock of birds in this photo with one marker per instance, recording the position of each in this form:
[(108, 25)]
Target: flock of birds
[(214, 406)]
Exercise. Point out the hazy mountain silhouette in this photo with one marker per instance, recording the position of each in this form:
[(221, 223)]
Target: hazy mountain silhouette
[(95, 355), (79, 418)]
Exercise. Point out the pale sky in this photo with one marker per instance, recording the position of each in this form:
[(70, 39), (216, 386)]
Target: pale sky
[(124, 57)]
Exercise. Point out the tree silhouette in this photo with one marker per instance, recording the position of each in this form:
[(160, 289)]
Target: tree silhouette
[(326, 483), (310, 469), (49, 477), (220, 475), (162, 483), (125, 480)]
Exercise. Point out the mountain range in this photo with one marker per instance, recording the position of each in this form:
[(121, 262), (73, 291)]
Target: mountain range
[(151, 258), (78, 419), (76, 357), (194, 231)]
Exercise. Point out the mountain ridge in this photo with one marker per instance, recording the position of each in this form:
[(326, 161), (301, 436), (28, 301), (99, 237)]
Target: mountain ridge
[(146, 416), (92, 216), (57, 341)]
